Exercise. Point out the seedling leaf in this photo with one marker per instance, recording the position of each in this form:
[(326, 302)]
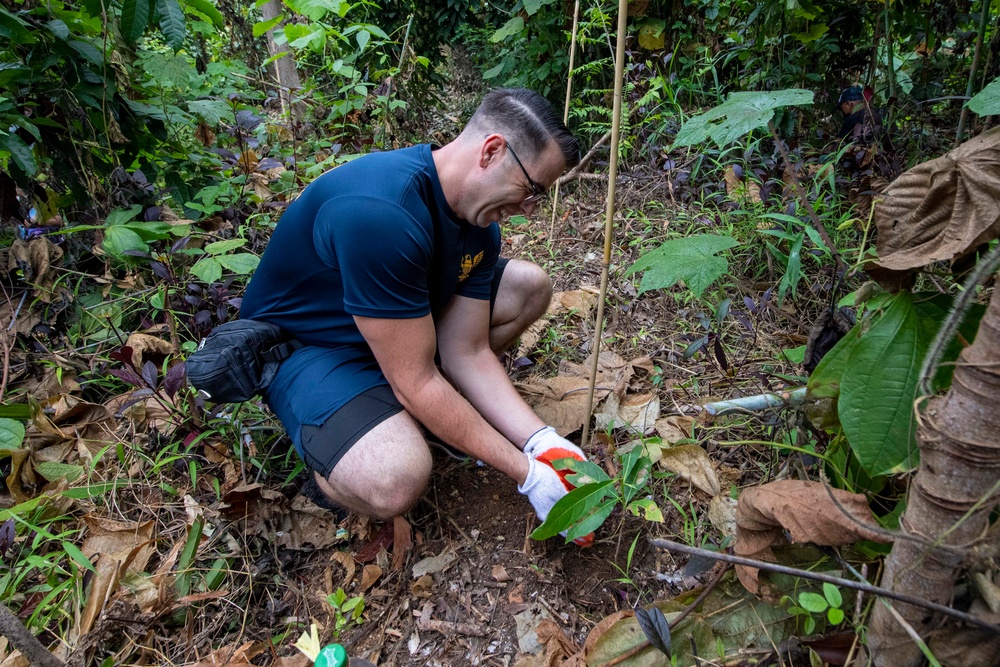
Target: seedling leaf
[(578, 504), (691, 259)]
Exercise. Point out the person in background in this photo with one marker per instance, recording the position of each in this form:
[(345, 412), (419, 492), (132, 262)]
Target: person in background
[(862, 122)]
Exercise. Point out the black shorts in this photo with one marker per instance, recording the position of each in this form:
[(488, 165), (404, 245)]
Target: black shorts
[(323, 446)]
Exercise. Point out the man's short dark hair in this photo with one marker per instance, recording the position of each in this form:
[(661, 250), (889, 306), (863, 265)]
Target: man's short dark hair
[(851, 94), (527, 120)]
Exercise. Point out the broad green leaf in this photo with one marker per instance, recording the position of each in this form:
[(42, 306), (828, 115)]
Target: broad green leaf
[(207, 9), (119, 239), (304, 36), (584, 472), (241, 263), (532, 6), (363, 37), (58, 28), (571, 508), (987, 101), (11, 434), (119, 216), (53, 470), (172, 23), (24, 156), (591, 520), (220, 247), (813, 602), (691, 259), (738, 116), (493, 72), (208, 269), (210, 111), (89, 52), (509, 29), (134, 19), (835, 615), (832, 594), (879, 386), (264, 26), (14, 29)]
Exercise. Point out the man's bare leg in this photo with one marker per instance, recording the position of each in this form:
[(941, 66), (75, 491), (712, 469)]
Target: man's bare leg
[(384, 473), (523, 297)]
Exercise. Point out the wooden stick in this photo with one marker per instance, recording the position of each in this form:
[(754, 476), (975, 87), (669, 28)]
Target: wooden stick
[(569, 90), (616, 121), (25, 642), (836, 581)]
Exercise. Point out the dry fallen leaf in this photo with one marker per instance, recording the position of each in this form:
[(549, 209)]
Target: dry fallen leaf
[(691, 462), (347, 562), (499, 573), (674, 428), (143, 346), (941, 209), (803, 509), (369, 575), (423, 587), (402, 542), (434, 564), (635, 412), (722, 514)]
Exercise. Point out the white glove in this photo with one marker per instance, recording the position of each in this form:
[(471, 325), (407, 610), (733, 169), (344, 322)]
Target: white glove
[(547, 438), (543, 487)]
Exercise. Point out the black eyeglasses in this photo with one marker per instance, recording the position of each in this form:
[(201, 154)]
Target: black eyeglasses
[(537, 191)]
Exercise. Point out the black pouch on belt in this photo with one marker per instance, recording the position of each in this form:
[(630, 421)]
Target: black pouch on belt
[(238, 360)]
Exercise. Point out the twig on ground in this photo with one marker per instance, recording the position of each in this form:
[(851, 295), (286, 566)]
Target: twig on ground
[(836, 581), (448, 628), (25, 642)]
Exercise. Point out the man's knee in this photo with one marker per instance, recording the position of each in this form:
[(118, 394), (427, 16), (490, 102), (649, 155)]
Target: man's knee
[(401, 485), (531, 287)]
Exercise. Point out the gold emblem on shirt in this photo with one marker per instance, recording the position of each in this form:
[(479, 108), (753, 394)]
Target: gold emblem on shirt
[(468, 263)]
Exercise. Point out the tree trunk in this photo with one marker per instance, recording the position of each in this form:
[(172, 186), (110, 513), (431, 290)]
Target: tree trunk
[(959, 441), (285, 73)]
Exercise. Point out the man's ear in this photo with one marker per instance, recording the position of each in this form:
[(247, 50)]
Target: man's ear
[(490, 149)]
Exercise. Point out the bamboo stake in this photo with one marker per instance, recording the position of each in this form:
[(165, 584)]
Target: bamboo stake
[(616, 118), (569, 90), (984, 13)]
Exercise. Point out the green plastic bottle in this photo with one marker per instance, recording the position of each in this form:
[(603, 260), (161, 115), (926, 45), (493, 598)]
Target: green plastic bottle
[(334, 655)]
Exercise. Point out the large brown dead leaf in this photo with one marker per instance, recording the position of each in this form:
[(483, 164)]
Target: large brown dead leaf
[(148, 348), (691, 463), (34, 260), (635, 412), (297, 524), (803, 509), (557, 648), (562, 401), (941, 209), (115, 548), (577, 302)]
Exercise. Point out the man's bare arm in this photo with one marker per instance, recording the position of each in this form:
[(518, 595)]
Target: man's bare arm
[(468, 361), (404, 349)]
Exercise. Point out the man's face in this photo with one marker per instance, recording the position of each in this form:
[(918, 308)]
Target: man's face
[(846, 107), (515, 184)]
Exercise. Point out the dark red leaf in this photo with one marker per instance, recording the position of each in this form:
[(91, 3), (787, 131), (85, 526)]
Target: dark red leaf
[(6, 536), (175, 379), (720, 355), (150, 374), (127, 375), (124, 355), (381, 540)]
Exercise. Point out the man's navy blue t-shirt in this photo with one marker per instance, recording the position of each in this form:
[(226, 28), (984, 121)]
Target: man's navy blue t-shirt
[(374, 238)]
